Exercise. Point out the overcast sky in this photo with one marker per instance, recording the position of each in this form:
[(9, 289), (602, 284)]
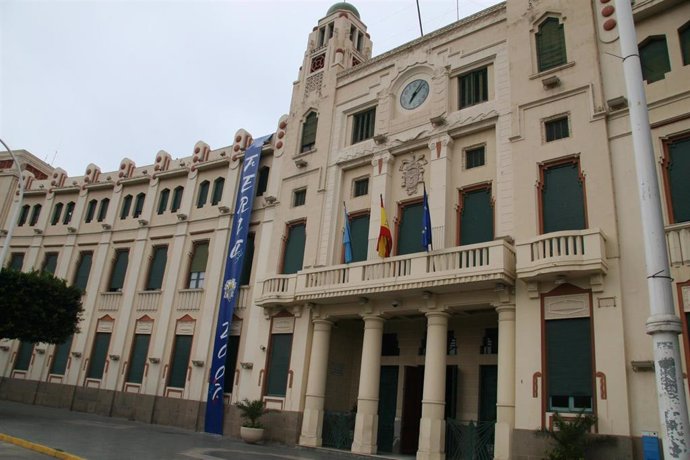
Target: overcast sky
[(100, 80)]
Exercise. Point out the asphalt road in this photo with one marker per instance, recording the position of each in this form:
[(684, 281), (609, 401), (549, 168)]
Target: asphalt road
[(96, 437)]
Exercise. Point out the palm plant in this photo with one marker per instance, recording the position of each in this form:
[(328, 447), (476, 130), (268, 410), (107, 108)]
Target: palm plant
[(251, 412)]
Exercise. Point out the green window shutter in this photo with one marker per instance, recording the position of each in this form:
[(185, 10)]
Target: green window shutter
[(35, 213), (117, 277), (359, 237), (24, 215), (231, 362), (262, 183), (103, 209), (309, 132), (278, 364), (81, 278), (678, 174), (556, 129), (684, 37), (137, 361), (56, 214), (294, 249), (68, 213), (654, 59), (550, 45), (476, 217), (50, 263), (568, 358), (23, 360), (202, 197), (157, 268), (218, 185), (59, 364), (474, 87), (163, 201), (248, 260), (139, 204), (126, 205), (177, 198), (180, 361), (17, 261), (363, 124), (410, 229), (563, 205), (98, 355), (90, 211)]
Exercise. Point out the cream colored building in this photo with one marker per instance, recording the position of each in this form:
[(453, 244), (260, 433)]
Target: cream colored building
[(531, 301)]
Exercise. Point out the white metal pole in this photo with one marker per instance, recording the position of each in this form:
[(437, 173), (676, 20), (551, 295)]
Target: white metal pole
[(663, 323), (13, 220)]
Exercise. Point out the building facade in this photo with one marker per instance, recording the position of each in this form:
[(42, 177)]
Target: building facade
[(531, 300)]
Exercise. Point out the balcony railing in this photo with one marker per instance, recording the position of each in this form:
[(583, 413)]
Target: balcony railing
[(244, 298), (189, 299), (486, 263), (678, 242), (148, 300), (578, 252), (109, 301)]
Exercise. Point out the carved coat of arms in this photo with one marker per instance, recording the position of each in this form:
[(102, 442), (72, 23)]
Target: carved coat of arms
[(412, 173)]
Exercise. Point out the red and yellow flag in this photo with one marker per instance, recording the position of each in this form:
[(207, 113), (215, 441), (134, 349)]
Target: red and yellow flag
[(385, 242)]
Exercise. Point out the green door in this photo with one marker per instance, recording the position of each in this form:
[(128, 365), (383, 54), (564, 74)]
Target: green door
[(410, 229), (488, 385), (388, 394)]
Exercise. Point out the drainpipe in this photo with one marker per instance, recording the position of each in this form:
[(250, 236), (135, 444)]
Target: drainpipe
[(17, 209)]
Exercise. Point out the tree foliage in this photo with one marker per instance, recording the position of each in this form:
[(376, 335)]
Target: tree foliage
[(571, 436), (38, 307)]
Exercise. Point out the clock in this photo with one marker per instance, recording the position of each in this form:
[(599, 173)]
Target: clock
[(414, 94)]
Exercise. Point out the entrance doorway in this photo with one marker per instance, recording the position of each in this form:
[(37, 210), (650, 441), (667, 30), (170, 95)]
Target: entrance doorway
[(412, 409), (388, 395)]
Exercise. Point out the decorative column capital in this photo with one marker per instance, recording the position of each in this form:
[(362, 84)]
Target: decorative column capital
[(382, 162), (321, 324), (439, 147), (372, 321), (505, 311)]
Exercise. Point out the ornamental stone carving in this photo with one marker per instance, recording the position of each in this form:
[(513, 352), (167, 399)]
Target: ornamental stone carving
[(412, 173)]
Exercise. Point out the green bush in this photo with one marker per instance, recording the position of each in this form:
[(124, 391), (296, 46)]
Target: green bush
[(251, 412), (571, 436)]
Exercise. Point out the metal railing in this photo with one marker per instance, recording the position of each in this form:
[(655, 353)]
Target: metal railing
[(469, 440)]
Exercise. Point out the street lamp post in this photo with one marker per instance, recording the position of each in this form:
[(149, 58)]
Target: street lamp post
[(13, 220)]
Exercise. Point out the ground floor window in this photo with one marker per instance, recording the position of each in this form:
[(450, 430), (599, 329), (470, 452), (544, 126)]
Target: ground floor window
[(99, 354), (278, 364), (23, 360), (231, 362), (180, 361), (137, 360), (59, 364)]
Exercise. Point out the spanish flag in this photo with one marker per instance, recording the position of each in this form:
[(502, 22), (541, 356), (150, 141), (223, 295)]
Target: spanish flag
[(385, 242)]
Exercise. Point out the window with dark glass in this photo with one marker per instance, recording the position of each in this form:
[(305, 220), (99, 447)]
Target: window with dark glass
[(474, 87), (359, 236), (197, 268), (476, 222), (139, 204), (50, 262), (293, 253), (59, 364), (474, 157), (309, 132), (218, 185), (556, 129), (361, 187), (23, 359), (103, 209), (16, 261), (410, 229), (90, 211), (550, 40), (677, 172), (57, 212), (248, 260), (389, 345), (126, 205), (569, 364), (231, 362), (299, 197), (278, 364), (363, 125), (180, 361), (35, 213), (562, 198), (99, 354), (262, 182), (23, 215), (177, 198), (81, 276), (684, 38), (163, 200), (157, 268), (202, 197), (69, 211), (654, 58), (137, 360), (119, 270)]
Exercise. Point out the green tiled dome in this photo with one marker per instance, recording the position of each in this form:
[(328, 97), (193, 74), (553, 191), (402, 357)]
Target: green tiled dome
[(343, 6)]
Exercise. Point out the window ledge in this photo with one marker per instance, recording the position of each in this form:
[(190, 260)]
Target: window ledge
[(303, 154), (551, 70)]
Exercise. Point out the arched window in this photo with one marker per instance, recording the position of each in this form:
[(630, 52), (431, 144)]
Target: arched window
[(684, 38), (23, 215), (90, 211), (103, 209), (35, 213), (550, 40), (126, 204), (309, 132), (139, 204), (203, 194), (654, 58), (263, 180), (163, 200), (57, 211), (177, 198), (217, 190), (69, 210)]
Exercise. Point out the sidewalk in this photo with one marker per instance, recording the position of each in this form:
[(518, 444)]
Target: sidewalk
[(96, 437)]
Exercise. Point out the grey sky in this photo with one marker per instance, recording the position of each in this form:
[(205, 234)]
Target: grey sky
[(100, 80)]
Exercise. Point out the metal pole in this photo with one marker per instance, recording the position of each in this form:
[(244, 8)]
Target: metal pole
[(17, 209), (663, 324), (419, 15)]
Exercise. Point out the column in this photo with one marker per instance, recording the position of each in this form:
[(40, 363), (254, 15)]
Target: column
[(505, 393), (432, 427), (367, 421), (441, 193), (312, 423)]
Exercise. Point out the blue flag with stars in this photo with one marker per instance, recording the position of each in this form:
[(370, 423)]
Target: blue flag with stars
[(426, 228)]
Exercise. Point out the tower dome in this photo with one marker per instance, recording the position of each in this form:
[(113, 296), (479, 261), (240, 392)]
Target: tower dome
[(343, 6)]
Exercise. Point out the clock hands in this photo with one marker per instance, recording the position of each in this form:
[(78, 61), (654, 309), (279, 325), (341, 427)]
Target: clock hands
[(416, 91)]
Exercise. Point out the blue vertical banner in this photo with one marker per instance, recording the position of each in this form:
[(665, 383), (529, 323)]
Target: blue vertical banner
[(347, 238), (215, 406), (426, 229)]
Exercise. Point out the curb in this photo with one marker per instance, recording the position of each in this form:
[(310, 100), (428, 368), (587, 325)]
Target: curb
[(56, 453)]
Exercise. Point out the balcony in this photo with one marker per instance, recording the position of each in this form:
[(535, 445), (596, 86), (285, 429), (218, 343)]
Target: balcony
[(109, 301), (567, 253), (189, 299), (474, 266), (678, 242), (148, 300)]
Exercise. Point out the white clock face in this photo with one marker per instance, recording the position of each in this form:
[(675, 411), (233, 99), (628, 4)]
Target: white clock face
[(414, 94)]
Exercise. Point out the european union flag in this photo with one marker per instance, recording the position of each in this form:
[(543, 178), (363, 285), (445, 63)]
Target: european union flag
[(426, 228), (347, 240)]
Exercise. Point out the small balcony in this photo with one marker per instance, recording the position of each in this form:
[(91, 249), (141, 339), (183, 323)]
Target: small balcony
[(148, 300), (568, 253), (678, 242), (189, 299), (473, 266), (109, 301)]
